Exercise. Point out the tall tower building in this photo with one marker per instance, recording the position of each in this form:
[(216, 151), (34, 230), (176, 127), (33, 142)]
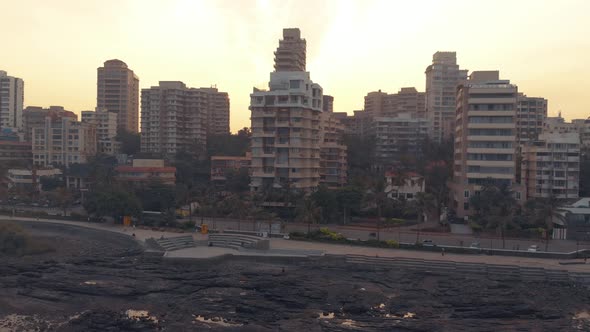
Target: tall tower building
[(290, 55), (286, 122), (173, 117), (118, 91), (531, 113), (485, 137), (442, 78), (217, 120), (11, 101)]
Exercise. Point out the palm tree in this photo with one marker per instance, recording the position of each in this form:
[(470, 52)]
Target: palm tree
[(377, 198), (548, 211), (424, 203), (309, 212)]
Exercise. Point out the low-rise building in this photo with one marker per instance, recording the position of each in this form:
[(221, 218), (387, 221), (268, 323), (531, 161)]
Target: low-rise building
[(30, 179), (551, 166), (221, 165), (144, 171), (34, 116), (404, 186)]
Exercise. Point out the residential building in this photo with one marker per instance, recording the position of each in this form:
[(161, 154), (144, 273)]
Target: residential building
[(442, 78), (557, 124), (173, 117), (15, 152), (286, 132), (405, 186), (118, 91), (28, 179), (144, 171), (394, 136), (291, 53), (577, 222), (485, 138), (551, 166), (374, 103), (530, 117), (407, 100), (106, 129), (358, 124), (11, 101), (221, 165), (217, 112), (584, 130), (34, 116), (62, 140), (333, 152), (328, 103)]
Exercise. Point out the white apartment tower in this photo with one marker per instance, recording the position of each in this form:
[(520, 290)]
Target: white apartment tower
[(485, 137), (286, 122), (173, 117), (442, 78), (11, 101)]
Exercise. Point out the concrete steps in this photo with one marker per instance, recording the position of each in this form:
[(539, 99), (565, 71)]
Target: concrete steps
[(238, 241), (176, 243)]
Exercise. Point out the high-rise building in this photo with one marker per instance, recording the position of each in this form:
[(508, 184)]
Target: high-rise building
[(328, 103), (173, 117), (333, 152), (374, 103), (442, 78), (286, 132), (34, 116), (11, 101), (531, 113), (61, 140), (397, 135), (485, 138), (290, 55), (118, 91), (551, 165), (407, 101), (217, 112), (106, 129)]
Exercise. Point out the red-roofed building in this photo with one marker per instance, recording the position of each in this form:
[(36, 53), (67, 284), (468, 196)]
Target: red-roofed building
[(144, 171)]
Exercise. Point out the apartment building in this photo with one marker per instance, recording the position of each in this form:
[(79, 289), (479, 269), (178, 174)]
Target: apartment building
[(145, 171), (106, 129), (217, 112), (118, 91), (328, 103), (397, 135), (406, 100), (333, 152), (11, 101), (551, 165), (291, 53), (173, 117), (485, 137), (442, 78), (530, 117), (220, 165), (62, 140), (34, 116)]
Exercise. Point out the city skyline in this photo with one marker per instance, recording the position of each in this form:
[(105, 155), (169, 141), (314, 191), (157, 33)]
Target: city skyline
[(352, 47)]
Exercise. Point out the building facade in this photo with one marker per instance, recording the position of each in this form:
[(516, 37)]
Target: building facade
[(118, 91), (485, 138), (105, 123), (217, 112), (410, 185), (530, 117), (63, 141), (551, 166), (397, 135), (333, 152), (442, 78), (34, 116), (144, 171), (11, 101), (173, 117), (220, 165), (15, 151), (328, 103), (291, 53)]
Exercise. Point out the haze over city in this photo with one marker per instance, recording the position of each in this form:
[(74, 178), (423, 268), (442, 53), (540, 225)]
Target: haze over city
[(354, 47)]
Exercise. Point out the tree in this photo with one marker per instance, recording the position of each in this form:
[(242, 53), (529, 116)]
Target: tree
[(495, 207), (549, 210), (157, 196), (130, 142), (424, 203), (377, 198), (436, 176), (237, 181), (309, 212), (112, 201), (64, 199)]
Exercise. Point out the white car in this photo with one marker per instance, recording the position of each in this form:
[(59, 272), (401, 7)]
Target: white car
[(533, 248)]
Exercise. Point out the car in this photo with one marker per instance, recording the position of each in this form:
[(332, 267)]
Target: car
[(428, 243), (533, 248), (475, 245)]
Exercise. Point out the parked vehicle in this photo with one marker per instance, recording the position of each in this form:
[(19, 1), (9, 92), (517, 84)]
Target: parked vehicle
[(533, 248)]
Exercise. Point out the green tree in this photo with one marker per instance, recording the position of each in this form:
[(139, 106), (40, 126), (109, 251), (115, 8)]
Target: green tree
[(63, 199), (424, 204), (377, 199), (494, 207), (130, 142), (237, 181), (309, 213), (113, 202), (436, 176), (549, 210)]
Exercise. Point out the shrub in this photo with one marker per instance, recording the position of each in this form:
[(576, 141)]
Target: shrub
[(392, 243)]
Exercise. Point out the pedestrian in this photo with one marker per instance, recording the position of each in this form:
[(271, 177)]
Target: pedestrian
[(443, 251)]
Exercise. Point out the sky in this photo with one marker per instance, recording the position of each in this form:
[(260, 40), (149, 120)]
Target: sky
[(353, 47)]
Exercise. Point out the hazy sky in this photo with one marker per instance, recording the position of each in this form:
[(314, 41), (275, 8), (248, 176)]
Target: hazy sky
[(353, 47)]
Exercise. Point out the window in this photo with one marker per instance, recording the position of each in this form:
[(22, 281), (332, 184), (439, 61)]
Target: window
[(466, 206), (294, 84), (518, 195), (466, 194)]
